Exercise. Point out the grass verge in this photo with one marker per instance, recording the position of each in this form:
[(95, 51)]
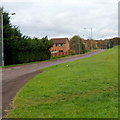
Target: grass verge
[(86, 88)]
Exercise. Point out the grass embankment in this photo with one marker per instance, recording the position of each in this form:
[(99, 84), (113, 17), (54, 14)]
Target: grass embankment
[(86, 88)]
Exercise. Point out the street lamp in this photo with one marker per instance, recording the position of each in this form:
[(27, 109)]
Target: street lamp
[(1, 37), (2, 43), (91, 29)]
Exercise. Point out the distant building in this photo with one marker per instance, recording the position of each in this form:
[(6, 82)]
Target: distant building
[(87, 44), (109, 43), (115, 41), (95, 44), (60, 47)]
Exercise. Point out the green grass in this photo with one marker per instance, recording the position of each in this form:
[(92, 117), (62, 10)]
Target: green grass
[(86, 88)]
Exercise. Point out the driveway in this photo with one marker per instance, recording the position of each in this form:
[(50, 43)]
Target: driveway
[(14, 78)]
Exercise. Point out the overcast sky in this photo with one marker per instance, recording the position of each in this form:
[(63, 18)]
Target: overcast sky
[(65, 18)]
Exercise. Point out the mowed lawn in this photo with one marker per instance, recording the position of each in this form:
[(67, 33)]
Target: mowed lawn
[(86, 88)]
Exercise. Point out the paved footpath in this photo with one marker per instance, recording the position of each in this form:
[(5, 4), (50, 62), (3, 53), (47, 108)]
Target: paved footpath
[(15, 78)]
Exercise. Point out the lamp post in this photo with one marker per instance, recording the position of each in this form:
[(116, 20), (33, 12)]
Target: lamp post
[(2, 42), (1, 37), (91, 30), (1, 59)]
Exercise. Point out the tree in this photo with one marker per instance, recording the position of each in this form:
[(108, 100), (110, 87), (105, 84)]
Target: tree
[(76, 44), (22, 49), (11, 35)]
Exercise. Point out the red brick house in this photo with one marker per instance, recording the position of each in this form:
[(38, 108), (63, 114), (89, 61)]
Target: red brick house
[(61, 47), (87, 44)]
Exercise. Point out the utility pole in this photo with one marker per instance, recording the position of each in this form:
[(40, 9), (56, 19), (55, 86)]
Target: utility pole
[(91, 40), (91, 31), (1, 57)]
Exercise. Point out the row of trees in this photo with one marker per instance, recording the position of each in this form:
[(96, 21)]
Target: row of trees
[(22, 49)]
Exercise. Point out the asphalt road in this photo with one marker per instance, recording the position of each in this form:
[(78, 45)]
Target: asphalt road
[(14, 78)]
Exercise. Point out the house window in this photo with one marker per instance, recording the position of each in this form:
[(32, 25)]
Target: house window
[(60, 50), (59, 44)]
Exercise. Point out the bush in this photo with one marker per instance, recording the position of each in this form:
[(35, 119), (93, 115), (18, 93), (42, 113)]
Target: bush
[(72, 52)]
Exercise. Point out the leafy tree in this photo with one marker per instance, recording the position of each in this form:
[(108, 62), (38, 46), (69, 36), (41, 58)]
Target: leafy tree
[(76, 44)]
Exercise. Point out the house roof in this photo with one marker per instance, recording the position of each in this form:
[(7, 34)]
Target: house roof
[(59, 40), (85, 41)]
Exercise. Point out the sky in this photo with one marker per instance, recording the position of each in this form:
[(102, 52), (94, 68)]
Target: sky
[(65, 18)]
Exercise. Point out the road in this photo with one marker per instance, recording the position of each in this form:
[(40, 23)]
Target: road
[(14, 78)]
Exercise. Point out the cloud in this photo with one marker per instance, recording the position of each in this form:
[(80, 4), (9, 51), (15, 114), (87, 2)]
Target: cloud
[(65, 17)]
